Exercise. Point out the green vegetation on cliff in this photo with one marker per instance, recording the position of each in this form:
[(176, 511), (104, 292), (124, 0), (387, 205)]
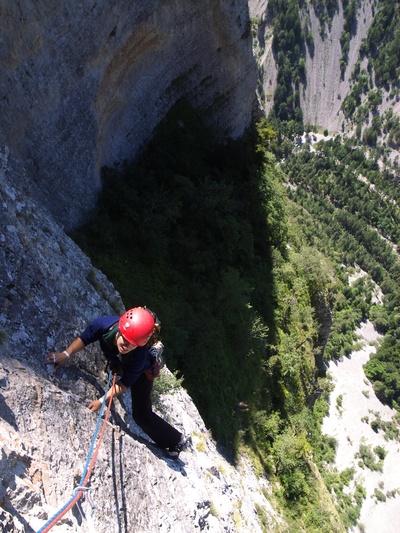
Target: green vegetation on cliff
[(343, 187)]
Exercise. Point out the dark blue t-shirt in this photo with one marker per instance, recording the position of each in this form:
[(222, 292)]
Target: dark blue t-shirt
[(134, 363)]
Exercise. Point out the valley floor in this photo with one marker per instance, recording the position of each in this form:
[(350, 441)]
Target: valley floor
[(353, 406)]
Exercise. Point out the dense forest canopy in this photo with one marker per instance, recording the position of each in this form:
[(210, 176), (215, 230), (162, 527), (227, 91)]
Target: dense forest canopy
[(357, 221)]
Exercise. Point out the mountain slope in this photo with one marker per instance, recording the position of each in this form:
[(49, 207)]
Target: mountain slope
[(332, 48)]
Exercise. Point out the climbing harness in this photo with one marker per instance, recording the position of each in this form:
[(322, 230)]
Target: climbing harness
[(91, 459)]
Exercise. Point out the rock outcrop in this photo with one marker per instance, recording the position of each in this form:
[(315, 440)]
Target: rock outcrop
[(49, 290), (325, 88), (83, 84)]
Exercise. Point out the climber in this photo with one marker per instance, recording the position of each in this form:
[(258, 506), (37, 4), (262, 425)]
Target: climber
[(132, 345)]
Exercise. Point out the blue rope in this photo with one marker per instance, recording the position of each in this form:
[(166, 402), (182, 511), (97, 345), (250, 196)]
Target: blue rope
[(96, 431)]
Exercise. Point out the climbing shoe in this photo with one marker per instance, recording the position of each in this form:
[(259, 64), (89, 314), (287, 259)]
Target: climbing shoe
[(183, 444)]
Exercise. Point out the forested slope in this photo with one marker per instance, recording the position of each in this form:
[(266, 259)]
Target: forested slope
[(344, 188), (357, 222), (332, 64), (350, 184)]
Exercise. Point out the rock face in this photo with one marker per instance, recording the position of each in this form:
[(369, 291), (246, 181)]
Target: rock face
[(322, 94), (83, 84), (49, 290)]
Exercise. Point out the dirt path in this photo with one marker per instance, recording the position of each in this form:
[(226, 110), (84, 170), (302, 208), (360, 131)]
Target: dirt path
[(353, 407)]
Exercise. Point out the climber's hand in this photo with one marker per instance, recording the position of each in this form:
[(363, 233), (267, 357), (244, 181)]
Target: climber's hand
[(95, 406), (56, 358)]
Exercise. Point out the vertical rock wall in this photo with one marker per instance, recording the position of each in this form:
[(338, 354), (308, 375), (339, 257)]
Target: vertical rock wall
[(83, 84)]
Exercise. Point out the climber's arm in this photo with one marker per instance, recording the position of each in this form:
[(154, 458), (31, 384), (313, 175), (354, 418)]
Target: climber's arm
[(60, 358)]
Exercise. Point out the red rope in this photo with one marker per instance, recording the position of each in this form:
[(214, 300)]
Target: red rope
[(91, 464)]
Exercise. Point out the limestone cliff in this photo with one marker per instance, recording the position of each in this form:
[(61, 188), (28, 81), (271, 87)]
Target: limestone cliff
[(49, 290), (83, 84)]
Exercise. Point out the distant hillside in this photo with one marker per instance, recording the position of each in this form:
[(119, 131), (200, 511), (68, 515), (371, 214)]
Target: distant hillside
[(337, 73), (329, 75)]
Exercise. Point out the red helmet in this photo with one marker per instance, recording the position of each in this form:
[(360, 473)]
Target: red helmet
[(137, 326)]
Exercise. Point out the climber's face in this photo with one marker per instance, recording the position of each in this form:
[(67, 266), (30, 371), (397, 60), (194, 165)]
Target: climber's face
[(123, 345)]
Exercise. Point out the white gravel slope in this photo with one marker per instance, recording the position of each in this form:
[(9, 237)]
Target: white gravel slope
[(352, 400)]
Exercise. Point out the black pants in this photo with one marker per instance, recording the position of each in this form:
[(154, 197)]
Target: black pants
[(156, 428)]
